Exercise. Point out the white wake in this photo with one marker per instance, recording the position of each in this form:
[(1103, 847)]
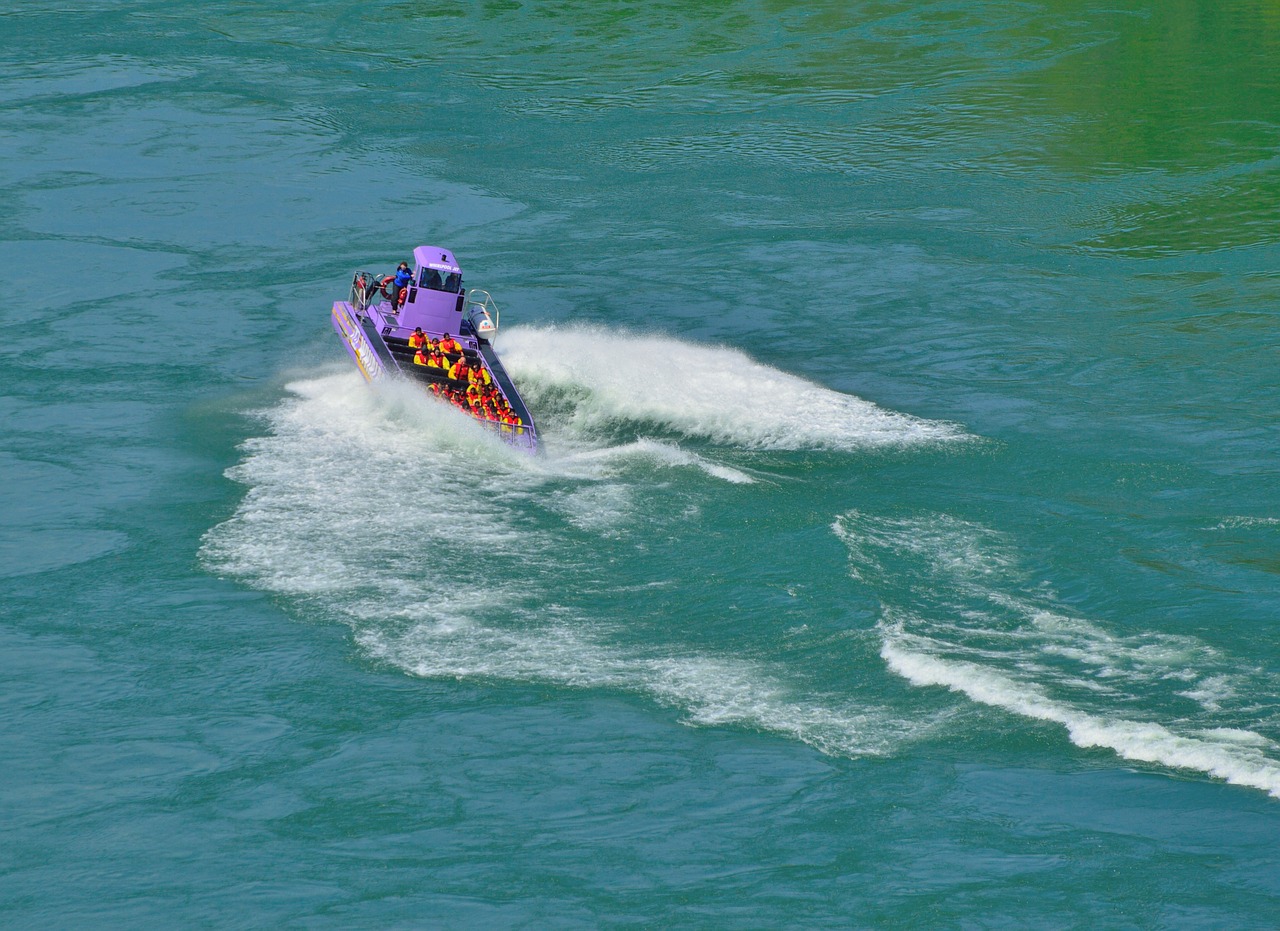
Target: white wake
[(451, 555), (959, 614), (700, 390)]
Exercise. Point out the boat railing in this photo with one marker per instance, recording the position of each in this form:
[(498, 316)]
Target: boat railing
[(364, 285)]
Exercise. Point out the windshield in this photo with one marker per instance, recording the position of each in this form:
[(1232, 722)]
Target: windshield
[(439, 280)]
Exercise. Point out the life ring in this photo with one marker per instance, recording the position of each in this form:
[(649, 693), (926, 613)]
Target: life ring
[(384, 283)]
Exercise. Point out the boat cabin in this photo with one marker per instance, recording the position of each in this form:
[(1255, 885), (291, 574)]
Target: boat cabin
[(436, 296)]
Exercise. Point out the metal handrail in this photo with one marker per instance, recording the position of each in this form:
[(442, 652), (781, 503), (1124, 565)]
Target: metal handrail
[(360, 299), (488, 305)]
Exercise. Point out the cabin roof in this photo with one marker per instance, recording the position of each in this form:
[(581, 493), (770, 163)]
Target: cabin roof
[(435, 257)]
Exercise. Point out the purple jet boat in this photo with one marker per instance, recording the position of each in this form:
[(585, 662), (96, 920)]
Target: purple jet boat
[(436, 333)]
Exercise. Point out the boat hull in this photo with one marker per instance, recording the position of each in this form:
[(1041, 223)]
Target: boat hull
[(347, 322), (377, 344)]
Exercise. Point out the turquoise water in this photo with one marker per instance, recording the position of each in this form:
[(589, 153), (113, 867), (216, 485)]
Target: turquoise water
[(905, 549)]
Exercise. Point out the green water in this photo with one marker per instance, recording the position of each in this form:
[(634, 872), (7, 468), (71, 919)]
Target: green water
[(904, 550)]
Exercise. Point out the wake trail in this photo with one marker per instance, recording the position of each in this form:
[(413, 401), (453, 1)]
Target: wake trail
[(594, 378), (959, 613), (451, 555)]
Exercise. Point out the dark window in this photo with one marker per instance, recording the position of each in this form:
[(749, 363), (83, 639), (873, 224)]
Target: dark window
[(437, 280)]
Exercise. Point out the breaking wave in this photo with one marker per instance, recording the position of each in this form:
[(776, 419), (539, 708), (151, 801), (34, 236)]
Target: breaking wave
[(592, 378), (958, 612)]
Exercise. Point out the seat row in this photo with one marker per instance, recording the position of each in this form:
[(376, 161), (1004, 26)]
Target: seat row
[(400, 343), (434, 376)]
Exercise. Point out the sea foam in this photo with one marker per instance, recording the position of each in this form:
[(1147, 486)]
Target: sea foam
[(603, 376), (1234, 756), (959, 612), (449, 555)]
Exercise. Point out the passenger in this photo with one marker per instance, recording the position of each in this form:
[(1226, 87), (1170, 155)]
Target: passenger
[(458, 371), (421, 358), (404, 275), (449, 346), (417, 339), (431, 279), (437, 361), (453, 283), (478, 375)]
